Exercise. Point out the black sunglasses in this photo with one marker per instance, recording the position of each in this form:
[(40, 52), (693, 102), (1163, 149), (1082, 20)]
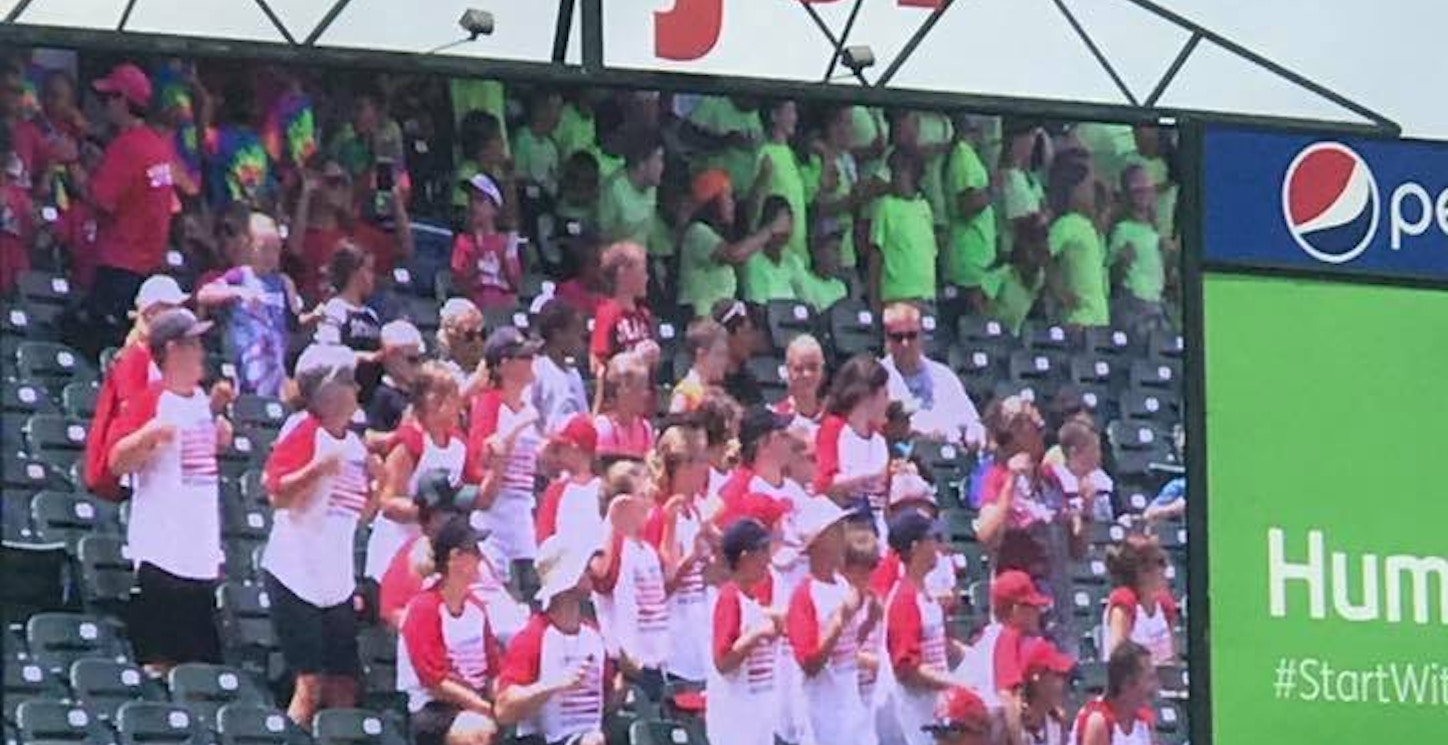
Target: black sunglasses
[(414, 359), (900, 337), (473, 335)]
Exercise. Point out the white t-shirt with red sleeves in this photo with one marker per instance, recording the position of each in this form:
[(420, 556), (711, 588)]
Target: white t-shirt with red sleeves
[(542, 651), (510, 518), (744, 705), (832, 699), (175, 521), (571, 509), (993, 663), (450, 455), (633, 605), (436, 645), (1140, 733), (915, 638), (310, 547), (1150, 630), (845, 454), (689, 601)]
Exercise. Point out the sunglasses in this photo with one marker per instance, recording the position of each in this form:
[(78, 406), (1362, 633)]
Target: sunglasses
[(472, 335), (900, 337), (413, 359)]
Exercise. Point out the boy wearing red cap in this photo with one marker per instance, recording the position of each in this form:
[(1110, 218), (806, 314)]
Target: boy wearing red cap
[(570, 505), (132, 192), (960, 719), (994, 664)]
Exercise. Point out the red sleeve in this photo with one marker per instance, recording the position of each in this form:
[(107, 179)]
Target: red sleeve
[(409, 435), (904, 629), (134, 415), (462, 257), (1006, 658), (995, 481), (399, 584), (291, 454), (522, 664), (886, 574), (604, 585), (801, 623), (108, 181), (728, 615), (423, 642), (483, 422), (129, 372), (736, 484), (546, 523), (1168, 606), (603, 323), (1125, 598), (827, 453), (653, 532)]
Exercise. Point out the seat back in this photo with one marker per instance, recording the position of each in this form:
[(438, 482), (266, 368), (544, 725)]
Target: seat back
[(57, 640), (26, 680), (252, 724), (355, 727), (204, 689), (53, 722), (152, 723), (106, 685)]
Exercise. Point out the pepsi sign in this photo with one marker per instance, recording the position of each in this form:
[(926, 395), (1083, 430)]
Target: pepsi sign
[(1374, 207)]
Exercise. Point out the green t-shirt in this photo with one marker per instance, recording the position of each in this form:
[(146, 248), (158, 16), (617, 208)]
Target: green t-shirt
[(718, 115), (787, 181), (1111, 147), (1166, 191), (703, 281), (869, 125), (818, 292), (764, 280), (1021, 194), (609, 165), (626, 213), (1011, 297), (536, 159), (935, 129), (1145, 276), (904, 231), (848, 175), (972, 240), (471, 94), (1080, 258), (575, 131)]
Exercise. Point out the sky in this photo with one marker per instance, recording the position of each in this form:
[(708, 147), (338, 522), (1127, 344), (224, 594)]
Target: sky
[(1384, 54)]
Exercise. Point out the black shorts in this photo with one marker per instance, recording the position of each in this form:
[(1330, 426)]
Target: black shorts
[(173, 619), (431, 723), (314, 641)]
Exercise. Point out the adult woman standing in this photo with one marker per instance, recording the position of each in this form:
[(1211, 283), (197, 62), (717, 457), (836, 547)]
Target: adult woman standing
[(504, 438), (317, 480)]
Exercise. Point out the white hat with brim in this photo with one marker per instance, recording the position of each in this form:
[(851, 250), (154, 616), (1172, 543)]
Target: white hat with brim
[(815, 517), (159, 289), (560, 564)]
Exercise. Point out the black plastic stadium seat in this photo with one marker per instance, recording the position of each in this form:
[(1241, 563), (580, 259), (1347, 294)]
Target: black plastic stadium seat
[(770, 373), (1160, 373), (1043, 336), (107, 575), (255, 724), (26, 399), (52, 722), (204, 689), (106, 685), (157, 723), (1108, 341), (57, 640), (1149, 404), (244, 520), (52, 364), (1095, 370), (26, 680), (246, 627), (252, 410), (854, 329), (45, 295), (377, 648), (61, 517), (56, 440), (79, 399), (1165, 344), (1043, 370), (356, 727), (663, 732), (788, 319)]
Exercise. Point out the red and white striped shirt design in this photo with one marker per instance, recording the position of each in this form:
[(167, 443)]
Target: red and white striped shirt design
[(198, 454), (542, 651), (349, 489)]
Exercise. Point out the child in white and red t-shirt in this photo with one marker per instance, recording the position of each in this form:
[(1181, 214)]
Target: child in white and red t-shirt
[(556, 675), (994, 663), (676, 527), (862, 555), (167, 439), (629, 591), (318, 482), (485, 262), (744, 699), (853, 456), (570, 505), (1140, 607), (920, 653), (449, 656)]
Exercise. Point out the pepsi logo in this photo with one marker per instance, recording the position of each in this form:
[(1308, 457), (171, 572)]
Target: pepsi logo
[(1330, 202)]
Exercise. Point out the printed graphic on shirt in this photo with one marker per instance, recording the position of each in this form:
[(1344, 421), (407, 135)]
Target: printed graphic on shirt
[(349, 490), (467, 645), (198, 455)]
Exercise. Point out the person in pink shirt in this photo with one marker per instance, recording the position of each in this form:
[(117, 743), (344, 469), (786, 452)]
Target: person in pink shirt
[(132, 192), (486, 264), (624, 429)]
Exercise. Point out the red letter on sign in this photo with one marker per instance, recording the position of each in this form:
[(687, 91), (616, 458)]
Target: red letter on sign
[(689, 30)]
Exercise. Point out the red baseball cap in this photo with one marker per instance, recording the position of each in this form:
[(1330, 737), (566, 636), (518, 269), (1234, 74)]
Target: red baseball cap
[(578, 432), (1041, 656), (960, 709), (762, 507), (1015, 587), (129, 82)]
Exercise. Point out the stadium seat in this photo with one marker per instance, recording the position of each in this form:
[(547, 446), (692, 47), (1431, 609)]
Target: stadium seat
[(60, 517), (1161, 374), (1042, 370), (1091, 677), (79, 400), (204, 689), (26, 680), (959, 525), (515, 316), (1094, 370), (770, 372), (107, 575), (16, 324), (251, 489), (1046, 336), (377, 648), (53, 722), (57, 640), (1174, 681), (1108, 341), (246, 628), (158, 723), (1148, 404), (51, 364), (253, 724), (27, 474), (1106, 534), (12, 735), (662, 732), (355, 727), (1087, 602), (244, 520), (946, 464), (106, 685), (853, 329), (979, 367), (983, 331), (26, 399), (1165, 345), (1090, 570), (786, 320), (56, 440), (16, 518), (251, 410), (46, 295)]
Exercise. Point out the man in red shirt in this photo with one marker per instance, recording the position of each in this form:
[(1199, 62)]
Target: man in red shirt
[(132, 194), (327, 209)]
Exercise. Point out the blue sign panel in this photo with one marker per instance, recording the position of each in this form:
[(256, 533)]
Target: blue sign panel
[(1358, 206)]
